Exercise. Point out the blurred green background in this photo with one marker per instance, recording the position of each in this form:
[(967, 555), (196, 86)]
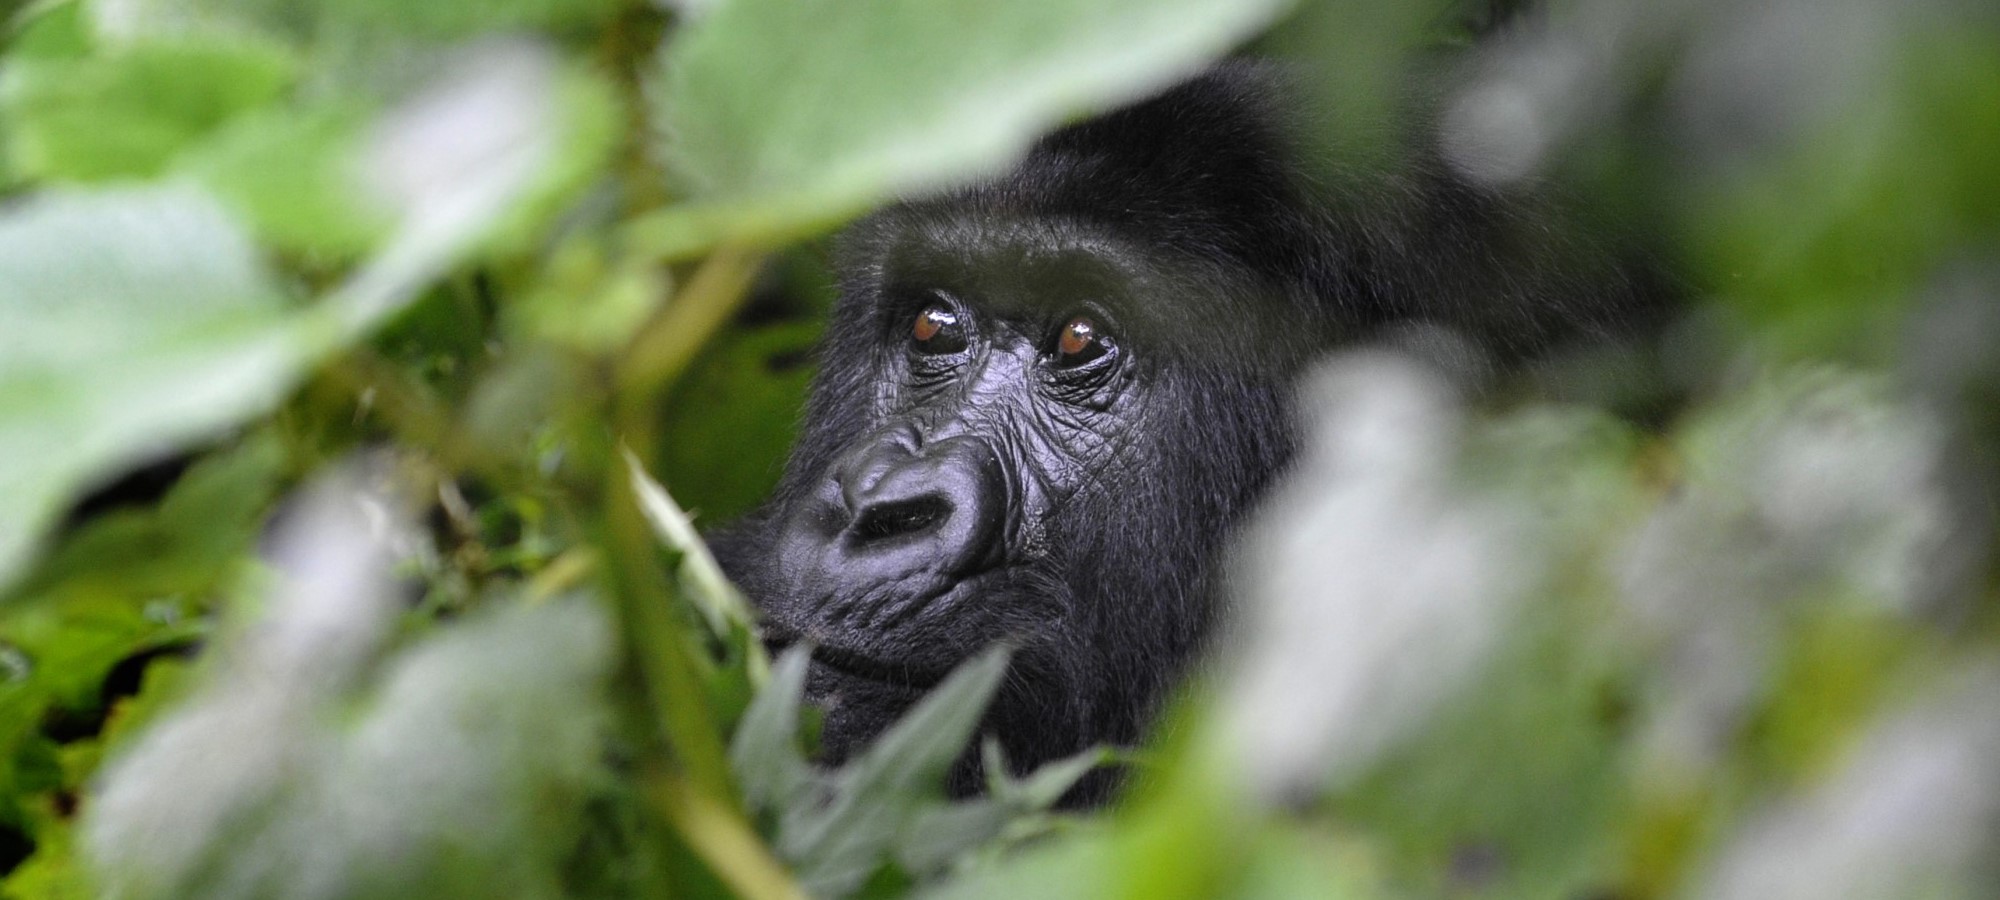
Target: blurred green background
[(338, 339)]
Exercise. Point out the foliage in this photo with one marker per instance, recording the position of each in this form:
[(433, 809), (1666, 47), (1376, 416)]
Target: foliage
[(337, 340)]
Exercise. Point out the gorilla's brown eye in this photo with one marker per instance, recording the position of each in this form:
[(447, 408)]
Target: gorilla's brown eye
[(936, 330), (1079, 342)]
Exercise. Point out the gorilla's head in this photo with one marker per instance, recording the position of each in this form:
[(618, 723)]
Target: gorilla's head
[(1044, 403)]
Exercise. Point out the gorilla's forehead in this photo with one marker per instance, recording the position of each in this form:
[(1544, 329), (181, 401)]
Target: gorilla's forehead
[(1020, 267), (1047, 267)]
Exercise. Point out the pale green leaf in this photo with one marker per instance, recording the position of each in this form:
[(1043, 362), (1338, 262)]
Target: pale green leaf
[(134, 322), (130, 323), (718, 600), (782, 114), (128, 113), (765, 750)]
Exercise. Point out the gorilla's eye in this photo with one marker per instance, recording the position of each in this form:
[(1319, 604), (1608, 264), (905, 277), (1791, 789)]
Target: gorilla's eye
[(937, 330), (1080, 342)]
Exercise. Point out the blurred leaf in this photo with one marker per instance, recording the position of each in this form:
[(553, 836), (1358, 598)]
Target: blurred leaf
[(1511, 791), (53, 873), (841, 832), (765, 752), (1084, 866), (305, 767), (183, 546), (294, 176), (455, 18), (458, 777), (129, 323), (127, 113), (1044, 787), (1825, 244), (937, 835), (453, 161), (52, 29), (785, 116), (701, 578), (585, 125), (840, 827), (1309, 864), (583, 300)]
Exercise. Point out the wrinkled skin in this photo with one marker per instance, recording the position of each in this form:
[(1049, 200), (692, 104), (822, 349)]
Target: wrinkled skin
[(1046, 401)]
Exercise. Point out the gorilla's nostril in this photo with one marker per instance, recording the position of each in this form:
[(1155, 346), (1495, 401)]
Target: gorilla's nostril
[(917, 515)]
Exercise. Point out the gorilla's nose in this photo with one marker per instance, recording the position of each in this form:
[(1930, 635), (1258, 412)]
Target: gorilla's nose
[(937, 509), (891, 517)]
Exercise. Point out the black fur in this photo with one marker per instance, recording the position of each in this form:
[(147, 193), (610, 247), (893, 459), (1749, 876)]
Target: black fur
[(932, 507)]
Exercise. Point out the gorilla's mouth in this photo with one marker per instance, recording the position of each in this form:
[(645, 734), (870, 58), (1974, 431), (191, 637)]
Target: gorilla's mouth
[(896, 674), (855, 664)]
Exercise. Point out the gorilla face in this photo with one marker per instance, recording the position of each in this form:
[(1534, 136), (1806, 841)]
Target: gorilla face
[(1002, 388), (1030, 455), (1044, 402)]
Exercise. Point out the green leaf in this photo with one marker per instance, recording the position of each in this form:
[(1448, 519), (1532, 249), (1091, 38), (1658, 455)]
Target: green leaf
[(838, 837), (130, 323), (782, 115), (461, 776), (1043, 787), (182, 547), (53, 873), (934, 837), (458, 18), (291, 175), (765, 750), (916, 752), (53, 29), (126, 114), (134, 322), (701, 577), (1083, 865)]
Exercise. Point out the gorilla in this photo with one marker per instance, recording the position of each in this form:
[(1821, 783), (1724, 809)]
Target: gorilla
[(1045, 401)]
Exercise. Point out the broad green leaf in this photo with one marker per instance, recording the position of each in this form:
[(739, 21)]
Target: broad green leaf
[(182, 547), (292, 175), (134, 322), (301, 177), (1084, 866), (130, 323), (584, 125), (782, 115), (53, 29), (127, 113), (53, 873), (313, 760)]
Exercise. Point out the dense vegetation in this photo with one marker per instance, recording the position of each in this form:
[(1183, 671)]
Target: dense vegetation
[(337, 340)]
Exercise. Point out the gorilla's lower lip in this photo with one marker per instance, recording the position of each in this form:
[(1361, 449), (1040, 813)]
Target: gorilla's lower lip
[(848, 662), (856, 664)]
